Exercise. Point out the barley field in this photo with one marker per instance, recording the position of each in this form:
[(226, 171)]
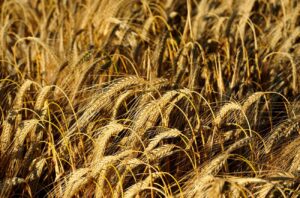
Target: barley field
[(149, 98)]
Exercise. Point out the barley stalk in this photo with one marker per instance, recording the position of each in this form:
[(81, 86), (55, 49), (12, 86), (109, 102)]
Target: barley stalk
[(23, 130), (148, 115), (42, 97), (282, 130), (36, 169), (167, 134), (11, 182), (105, 98), (121, 99), (251, 99), (104, 136), (224, 111), (140, 186), (7, 135), (21, 93), (84, 176)]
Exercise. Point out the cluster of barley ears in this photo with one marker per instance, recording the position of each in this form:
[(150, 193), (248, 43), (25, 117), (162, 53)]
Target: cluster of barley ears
[(149, 98)]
